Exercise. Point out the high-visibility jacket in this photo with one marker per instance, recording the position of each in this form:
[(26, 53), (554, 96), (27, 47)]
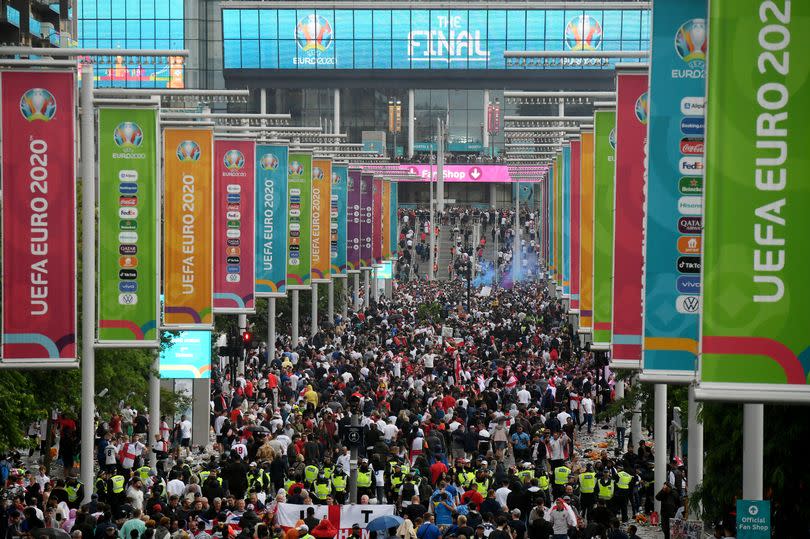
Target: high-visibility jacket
[(73, 492), (339, 482), (363, 479), (561, 474), (311, 473), (322, 489), (101, 486), (482, 487), (143, 472), (523, 474), (587, 482), (465, 479), (624, 480), (396, 481), (204, 475), (605, 491), (255, 480), (118, 483), (543, 482), (327, 472), (405, 469)]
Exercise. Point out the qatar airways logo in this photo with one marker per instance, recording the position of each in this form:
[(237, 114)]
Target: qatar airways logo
[(448, 40)]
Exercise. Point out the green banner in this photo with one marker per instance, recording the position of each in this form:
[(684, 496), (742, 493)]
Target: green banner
[(299, 228), (127, 226), (603, 167), (756, 195)]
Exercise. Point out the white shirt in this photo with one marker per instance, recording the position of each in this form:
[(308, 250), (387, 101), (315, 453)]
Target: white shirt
[(240, 450), (524, 396), (185, 429), (587, 405), (390, 431), (562, 417), (175, 487), (136, 495), (501, 494), (344, 463)]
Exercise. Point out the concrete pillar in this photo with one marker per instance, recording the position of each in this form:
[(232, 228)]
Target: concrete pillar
[(753, 451), (411, 121), (694, 471), (271, 329), (154, 406), (242, 322), (661, 427), (314, 317), (485, 134), (294, 321), (330, 304), (336, 117), (200, 411), (493, 195)]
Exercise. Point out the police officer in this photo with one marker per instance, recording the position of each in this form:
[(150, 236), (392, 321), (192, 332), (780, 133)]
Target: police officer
[(311, 474), (526, 475), (116, 488), (482, 483), (339, 481), (622, 492), (75, 492), (142, 473), (321, 489), (255, 478), (605, 487), (561, 474), (544, 484), (587, 488), (366, 483)]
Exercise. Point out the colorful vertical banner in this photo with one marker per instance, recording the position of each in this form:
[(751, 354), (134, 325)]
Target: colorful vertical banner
[(338, 220), (550, 205), (586, 233), (234, 234), (366, 218), (394, 218), (754, 341), (128, 217), (354, 221), (271, 221), (575, 225), (39, 217), (674, 189), (188, 254), (631, 164), (321, 209), (558, 221), (604, 156), (565, 219), (377, 221), (386, 220), (299, 220)]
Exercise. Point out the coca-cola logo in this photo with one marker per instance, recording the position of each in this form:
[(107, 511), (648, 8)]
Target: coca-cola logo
[(691, 146)]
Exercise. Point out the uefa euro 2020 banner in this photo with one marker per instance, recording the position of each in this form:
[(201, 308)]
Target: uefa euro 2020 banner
[(354, 221), (565, 217), (321, 224), (271, 221), (337, 221), (674, 188), (188, 197), (586, 233), (575, 225), (631, 163), (754, 340), (386, 219), (366, 218), (39, 217), (234, 184), (394, 219), (128, 233), (604, 155), (377, 221), (299, 207)]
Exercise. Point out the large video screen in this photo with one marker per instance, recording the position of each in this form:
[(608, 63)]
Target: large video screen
[(421, 39), (134, 24)]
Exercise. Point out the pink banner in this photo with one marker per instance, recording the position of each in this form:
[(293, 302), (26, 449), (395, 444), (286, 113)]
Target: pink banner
[(631, 134), (234, 180), (376, 224), (472, 173), (575, 229), (39, 219)]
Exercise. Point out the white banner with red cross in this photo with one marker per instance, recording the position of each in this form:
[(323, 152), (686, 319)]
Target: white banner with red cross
[(342, 517)]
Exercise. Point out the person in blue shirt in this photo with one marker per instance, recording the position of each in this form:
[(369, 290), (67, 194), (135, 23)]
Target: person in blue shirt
[(443, 508), (428, 530), (520, 443)]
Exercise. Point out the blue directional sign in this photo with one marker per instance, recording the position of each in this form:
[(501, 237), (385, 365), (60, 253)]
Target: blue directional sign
[(753, 519)]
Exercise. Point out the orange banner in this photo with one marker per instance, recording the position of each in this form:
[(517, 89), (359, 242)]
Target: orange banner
[(386, 216), (586, 231), (188, 228), (321, 206)]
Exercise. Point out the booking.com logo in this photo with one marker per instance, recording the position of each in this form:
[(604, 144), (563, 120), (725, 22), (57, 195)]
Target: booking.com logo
[(583, 33), (128, 135), (38, 104), (690, 42)]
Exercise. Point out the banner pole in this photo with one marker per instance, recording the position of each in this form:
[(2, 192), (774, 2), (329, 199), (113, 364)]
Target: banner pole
[(367, 288), (695, 468), (660, 415), (314, 318), (154, 407), (242, 322), (294, 321), (88, 162), (356, 299), (271, 329), (635, 421), (330, 305), (753, 450), (344, 310)]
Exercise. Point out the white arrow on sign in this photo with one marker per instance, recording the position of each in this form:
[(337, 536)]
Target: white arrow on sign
[(475, 173)]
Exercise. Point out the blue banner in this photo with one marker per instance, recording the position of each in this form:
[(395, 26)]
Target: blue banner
[(271, 221), (424, 39), (394, 219), (337, 220), (674, 187), (565, 165)]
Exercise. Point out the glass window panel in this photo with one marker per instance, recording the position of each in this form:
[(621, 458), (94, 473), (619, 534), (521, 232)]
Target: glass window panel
[(612, 25), (162, 10), (344, 54), (516, 24), (287, 52), (381, 50), (177, 31), (231, 24), (104, 9), (148, 9), (250, 53), (631, 25), (363, 54), (268, 22), (400, 24), (268, 53), (147, 30), (232, 55), (132, 10), (344, 24), (400, 52), (535, 25), (363, 24), (162, 29)]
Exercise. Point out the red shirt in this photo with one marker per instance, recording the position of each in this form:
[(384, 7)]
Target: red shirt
[(436, 469), (473, 496)]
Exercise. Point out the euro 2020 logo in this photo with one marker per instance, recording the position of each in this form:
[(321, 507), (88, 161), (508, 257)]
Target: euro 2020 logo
[(128, 135), (188, 150), (317, 173), (612, 139), (335, 178), (642, 108), (690, 42), (296, 168), (38, 104), (268, 162), (234, 160), (583, 33), (313, 32)]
